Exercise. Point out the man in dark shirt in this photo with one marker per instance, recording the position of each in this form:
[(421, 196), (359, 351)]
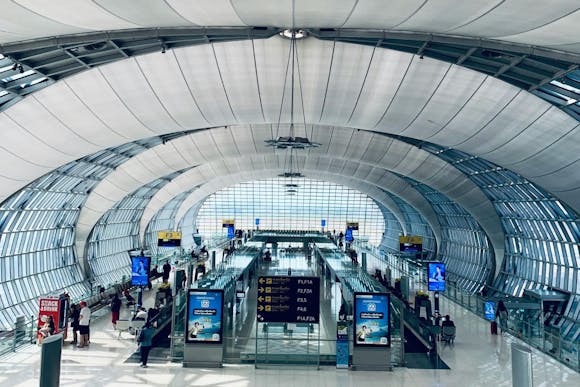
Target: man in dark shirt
[(447, 322), (166, 270)]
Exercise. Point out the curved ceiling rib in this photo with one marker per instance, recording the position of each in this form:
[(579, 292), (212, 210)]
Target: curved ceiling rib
[(195, 87), (262, 169), (235, 142)]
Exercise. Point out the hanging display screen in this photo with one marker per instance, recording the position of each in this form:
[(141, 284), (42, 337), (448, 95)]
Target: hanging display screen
[(204, 316), (140, 271), (436, 273)]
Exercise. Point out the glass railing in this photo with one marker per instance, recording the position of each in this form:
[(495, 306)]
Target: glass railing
[(523, 322)]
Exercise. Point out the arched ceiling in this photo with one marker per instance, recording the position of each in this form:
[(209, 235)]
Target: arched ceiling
[(343, 86), (533, 22)]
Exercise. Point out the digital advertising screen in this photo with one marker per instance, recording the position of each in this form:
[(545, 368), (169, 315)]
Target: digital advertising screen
[(371, 319), (140, 267), (204, 316), (436, 273), (489, 310)]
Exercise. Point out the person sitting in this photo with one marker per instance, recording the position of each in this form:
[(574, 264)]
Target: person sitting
[(447, 322), (129, 297), (46, 329), (141, 314)]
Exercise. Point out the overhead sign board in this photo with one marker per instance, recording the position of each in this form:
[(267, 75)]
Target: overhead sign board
[(169, 238), (288, 299)]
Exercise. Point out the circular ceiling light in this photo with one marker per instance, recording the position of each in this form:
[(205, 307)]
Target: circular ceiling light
[(294, 34)]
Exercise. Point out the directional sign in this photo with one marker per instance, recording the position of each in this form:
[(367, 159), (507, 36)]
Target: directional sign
[(288, 299)]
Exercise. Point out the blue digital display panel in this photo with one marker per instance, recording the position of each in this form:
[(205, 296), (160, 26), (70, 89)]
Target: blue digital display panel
[(490, 310), (257, 221), (436, 273), (348, 235), (204, 316), (140, 271), (323, 222), (371, 319), (231, 232)]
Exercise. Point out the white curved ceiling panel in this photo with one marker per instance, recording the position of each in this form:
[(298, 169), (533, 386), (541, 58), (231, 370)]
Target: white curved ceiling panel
[(553, 157), (19, 23), (144, 12), (358, 144), (315, 66), (26, 150), (410, 99), (428, 17), (384, 76), (482, 107), (515, 16), (256, 12), (523, 111), (241, 86), (533, 22), (309, 12), (164, 75), (271, 63), (382, 15), (80, 14), (346, 79), (135, 92), (455, 90), (202, 13), (51, 130), (544, 131), (106, 107), (560, 32), (202, 77), (71, 113)]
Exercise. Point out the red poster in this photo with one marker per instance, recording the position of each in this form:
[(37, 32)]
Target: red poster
[(49, 307)]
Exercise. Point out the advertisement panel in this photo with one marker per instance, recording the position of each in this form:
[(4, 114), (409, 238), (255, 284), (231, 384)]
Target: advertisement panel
[(490, 310), (436, 275), (140, 267), (204, 316), (371, 319), (49, 307)]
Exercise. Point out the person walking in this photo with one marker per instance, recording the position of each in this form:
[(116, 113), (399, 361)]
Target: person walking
[(146, 342), (166, 270), (115, 310), (501, 315), (84, 321)]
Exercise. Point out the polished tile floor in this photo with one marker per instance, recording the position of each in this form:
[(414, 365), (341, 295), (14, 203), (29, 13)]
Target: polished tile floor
[(477, 359)]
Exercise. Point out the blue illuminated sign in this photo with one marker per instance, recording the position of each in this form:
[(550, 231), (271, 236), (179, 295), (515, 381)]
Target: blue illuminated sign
[(323, 222), (436, 273), (257, 221), (140, 271), (490, 310)]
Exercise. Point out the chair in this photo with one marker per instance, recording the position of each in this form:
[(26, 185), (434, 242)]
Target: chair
[(448, 334), (137, 325), (123, 326)]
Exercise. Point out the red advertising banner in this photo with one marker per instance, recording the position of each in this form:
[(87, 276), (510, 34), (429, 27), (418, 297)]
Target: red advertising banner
[(49, 307)]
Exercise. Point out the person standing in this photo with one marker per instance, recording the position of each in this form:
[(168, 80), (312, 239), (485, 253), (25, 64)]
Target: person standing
[(84, 321), (74, 322), (501, 314), (146, 342), (166, 270), (115, 310)]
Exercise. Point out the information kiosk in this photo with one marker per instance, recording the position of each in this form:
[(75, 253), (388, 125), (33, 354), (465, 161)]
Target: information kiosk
[(204, 328), (372, 332)]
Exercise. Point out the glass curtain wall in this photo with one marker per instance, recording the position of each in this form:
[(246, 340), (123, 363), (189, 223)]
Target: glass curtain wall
[(117, 232), (37, 227), (162, 221), (277, 207), (464, 245)]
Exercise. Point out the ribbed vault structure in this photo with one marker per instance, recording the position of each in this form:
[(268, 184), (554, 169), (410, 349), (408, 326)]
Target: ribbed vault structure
[(119, 119)]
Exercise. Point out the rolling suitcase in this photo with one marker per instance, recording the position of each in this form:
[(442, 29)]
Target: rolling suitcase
[(493, 328)]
